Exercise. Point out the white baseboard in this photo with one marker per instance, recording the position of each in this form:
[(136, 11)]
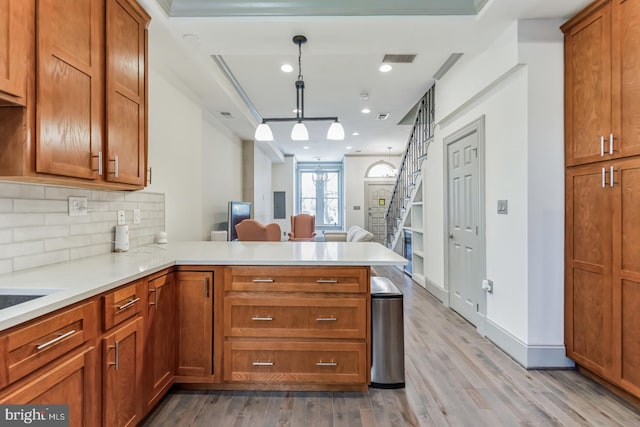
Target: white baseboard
[(529, 356), (437, 291)]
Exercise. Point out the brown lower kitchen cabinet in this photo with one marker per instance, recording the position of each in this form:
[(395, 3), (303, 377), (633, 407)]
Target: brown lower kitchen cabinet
[(602, 270), (196, 317), (160, 337), (122, 367), (69, 381)]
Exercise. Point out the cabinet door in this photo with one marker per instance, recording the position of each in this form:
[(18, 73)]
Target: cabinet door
[(195, 323), (126, 92), (69, 90), (160, 352), (69, 380), (589, 215), (588, 88), (626, 275), (15, 24), (122, 375), (626, 77)]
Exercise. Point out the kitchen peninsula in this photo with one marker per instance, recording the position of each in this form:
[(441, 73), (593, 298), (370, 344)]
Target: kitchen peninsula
[(208, 315)]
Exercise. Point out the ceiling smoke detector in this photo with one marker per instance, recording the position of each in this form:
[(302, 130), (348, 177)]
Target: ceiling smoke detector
[(382, 116)]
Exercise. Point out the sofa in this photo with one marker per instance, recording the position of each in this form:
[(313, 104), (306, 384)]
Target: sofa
[(353, 234)]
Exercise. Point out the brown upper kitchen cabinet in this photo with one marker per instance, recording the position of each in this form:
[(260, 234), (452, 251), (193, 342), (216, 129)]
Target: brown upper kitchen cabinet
[(126, 92), (85, 120), (602, 82), (14, 42)]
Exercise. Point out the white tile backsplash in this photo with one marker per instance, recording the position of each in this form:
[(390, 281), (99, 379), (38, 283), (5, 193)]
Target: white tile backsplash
[(36, 229)]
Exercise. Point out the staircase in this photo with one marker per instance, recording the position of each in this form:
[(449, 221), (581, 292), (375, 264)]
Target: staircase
[(409, 174)]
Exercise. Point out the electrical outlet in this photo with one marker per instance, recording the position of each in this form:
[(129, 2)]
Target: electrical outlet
[(487, 285), (122, 218), (78, 206), (136, 216)]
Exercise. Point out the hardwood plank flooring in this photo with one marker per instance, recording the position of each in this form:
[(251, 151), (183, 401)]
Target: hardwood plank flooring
[(454, 377)]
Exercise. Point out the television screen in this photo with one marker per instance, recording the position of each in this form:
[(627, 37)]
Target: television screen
[(238, 211)]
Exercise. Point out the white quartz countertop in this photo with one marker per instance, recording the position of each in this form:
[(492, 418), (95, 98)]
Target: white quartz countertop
[(74, 281)]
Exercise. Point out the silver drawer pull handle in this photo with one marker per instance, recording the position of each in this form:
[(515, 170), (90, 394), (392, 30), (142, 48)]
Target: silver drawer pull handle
[(263, 280), (326, 364), (326, 281), (129, 304), (267, 319), (610, 143), (117, 362), (602, 146), (55, 340), (603, 178), (262, 363), (611, 169), (326, 319)]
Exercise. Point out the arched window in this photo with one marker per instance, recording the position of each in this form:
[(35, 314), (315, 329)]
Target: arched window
[(381, 169)]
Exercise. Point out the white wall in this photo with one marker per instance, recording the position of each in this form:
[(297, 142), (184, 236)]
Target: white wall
[(256, 187), (516, 86), (175, 149), (221, 174), (355, 169)]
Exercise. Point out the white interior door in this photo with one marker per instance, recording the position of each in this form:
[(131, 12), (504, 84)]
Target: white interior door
[(378, 196), (465, 246)]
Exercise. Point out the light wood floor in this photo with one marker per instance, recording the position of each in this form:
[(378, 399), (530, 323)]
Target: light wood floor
[(454, 377)]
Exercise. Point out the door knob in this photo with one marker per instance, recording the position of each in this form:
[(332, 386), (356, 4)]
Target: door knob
[(451, 235)]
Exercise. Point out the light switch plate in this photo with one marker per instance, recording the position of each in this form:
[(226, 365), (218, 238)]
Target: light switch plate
[(136, 216), (78, 206)]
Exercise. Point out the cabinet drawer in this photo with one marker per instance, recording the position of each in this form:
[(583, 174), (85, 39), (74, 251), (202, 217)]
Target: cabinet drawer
[(293, 362), (298, 279), (33, 346), (295, 317), (122, 304)]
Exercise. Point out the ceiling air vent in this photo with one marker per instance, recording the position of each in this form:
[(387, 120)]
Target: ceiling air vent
[(382, 116), (226, 115), (398, 58)]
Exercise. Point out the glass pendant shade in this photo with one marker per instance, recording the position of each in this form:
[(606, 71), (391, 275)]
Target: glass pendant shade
[(263, 133), (299, 132), (336, 132)]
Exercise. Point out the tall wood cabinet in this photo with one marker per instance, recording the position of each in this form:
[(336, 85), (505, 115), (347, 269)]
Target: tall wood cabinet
[(85, 121), (602, 239), (14, 45)]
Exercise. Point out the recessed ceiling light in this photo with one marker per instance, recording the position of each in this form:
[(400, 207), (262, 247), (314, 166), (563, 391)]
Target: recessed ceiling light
[(306, 147), (385, 68), (286, 68), (192, 39), (365, 111), (364, 96), (349, 147), (355, 133)]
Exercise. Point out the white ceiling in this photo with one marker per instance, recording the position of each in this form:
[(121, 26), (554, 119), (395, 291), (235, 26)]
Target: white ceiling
[(339, 62)]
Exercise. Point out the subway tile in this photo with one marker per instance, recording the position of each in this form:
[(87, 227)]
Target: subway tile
[(104, 216), (6, 205), (39, 233), (6, 236), (31, 261), (91, 228), (30, 205), (65, 219), (126, 206), (107, 196), (6, 266), (63, 193), (21, 220), (90, 251), (12, 250), (21, 191), (144, 197), (97, 206), (146, 214), (152, 206), (98, 238), (66, 243)]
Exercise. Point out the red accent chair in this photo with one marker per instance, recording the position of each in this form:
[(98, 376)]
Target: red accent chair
[(303, 227), (250, 230)]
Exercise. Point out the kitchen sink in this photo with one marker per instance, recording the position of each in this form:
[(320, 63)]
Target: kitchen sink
[(11, 297)]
